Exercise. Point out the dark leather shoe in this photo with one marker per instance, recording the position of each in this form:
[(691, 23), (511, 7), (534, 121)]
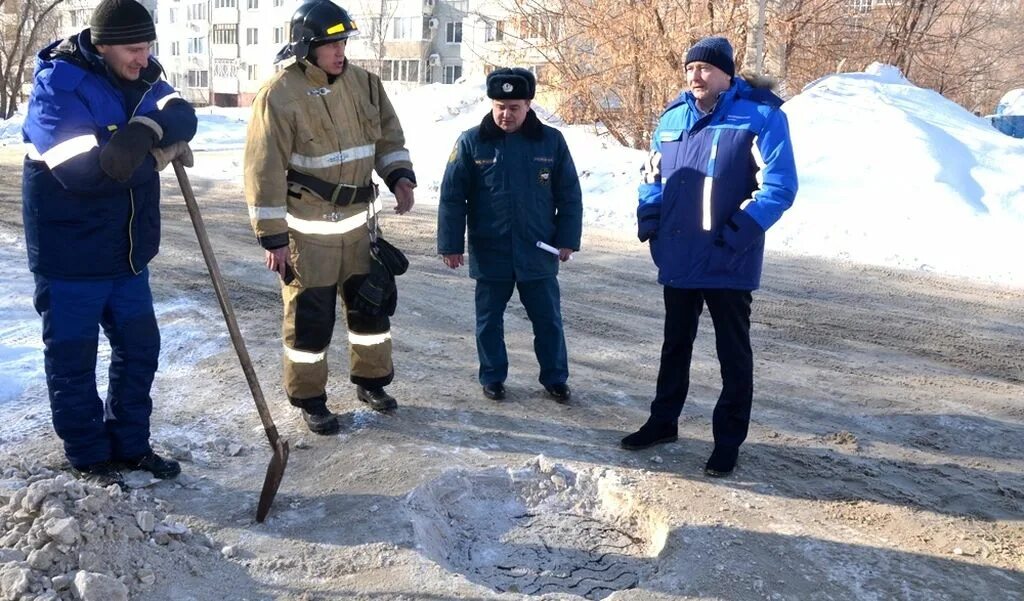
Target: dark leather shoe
[(722, 462), (101, 474), (154, 464), (559, 392), (377, 398), (494, 391), (650, 434)]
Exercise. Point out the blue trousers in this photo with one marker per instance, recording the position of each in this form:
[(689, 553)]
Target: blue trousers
[(542, 303), (730, 312), (72, 312)]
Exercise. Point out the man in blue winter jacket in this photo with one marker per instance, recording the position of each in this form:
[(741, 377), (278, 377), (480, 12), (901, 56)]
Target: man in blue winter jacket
[(720, 173), (513, 182), (100, 125)]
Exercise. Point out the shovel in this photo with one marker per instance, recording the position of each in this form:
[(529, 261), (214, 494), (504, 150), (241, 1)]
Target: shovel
[(279, 446)]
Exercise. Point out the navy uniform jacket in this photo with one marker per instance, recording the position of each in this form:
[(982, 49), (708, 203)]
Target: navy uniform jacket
[(80, 223), (512, 190), (713, 185)]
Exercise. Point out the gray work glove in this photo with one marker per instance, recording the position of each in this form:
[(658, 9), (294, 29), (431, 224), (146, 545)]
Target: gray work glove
[(178, 150)]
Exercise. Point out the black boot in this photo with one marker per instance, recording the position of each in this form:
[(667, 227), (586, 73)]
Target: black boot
[(722, 462), (494, 391), (317, 416), (154, 464), (376, 398), (650, 434), (101, 474), (559, 392)]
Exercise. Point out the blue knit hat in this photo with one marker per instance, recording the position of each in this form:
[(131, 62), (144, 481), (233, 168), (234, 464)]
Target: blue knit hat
[(715, 51)]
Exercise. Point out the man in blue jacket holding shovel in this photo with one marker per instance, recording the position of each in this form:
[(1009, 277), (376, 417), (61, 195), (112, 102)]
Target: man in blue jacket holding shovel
[(101, 123), (513, 181), (720, 173)]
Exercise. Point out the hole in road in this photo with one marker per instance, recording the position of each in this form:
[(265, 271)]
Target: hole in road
[(539, 529)]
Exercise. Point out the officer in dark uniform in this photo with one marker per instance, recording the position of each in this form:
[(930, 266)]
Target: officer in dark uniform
[(513, 182)]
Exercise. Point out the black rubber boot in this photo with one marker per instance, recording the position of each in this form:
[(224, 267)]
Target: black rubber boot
[(377, 398), (650, 434)]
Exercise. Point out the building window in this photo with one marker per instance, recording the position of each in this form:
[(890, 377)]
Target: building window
[(406, 28), (197, 45), (156, 17), (495, 32), (175, 48), (452, 73), (278, 2), (252, 36), (223, 3), (173, 14), (225, 34), (279, 35), (859, 6), (198, 79), (453, 32), (155, 50), (254, 72), (400, 70), (197, 12), (254, 4)]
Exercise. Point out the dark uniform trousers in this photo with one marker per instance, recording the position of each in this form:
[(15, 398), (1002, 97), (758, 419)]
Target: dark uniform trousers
[(730, 312), (542, 303), (73, 312)]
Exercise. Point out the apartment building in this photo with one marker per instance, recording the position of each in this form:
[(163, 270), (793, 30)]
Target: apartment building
[(220, 51)]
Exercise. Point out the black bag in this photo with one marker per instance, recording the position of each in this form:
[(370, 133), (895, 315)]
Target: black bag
[(377, 295)]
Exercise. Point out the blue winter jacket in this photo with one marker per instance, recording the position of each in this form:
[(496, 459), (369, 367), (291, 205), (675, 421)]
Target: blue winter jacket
[(512, 190), (80, 223), (713, 185)]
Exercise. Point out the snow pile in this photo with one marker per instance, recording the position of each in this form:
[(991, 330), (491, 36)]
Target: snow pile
[(892, 174), (10, 129), (66, 539), (1012, 103)]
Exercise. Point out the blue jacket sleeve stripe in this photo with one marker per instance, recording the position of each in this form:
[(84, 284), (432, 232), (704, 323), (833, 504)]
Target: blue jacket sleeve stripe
[(174, 115), (64, 151), (162, 101), (779, 178)]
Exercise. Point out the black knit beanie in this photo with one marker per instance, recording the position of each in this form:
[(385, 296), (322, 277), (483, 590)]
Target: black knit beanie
[(121, 22), (715, 51)]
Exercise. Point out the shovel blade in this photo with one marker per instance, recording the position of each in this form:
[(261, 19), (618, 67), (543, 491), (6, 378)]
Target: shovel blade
[(275, 472)]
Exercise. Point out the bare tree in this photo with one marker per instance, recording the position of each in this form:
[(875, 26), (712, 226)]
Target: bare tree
[(24, 25)]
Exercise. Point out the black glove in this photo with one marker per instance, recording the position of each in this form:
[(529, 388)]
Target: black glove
[(127, 149), (377, 294)]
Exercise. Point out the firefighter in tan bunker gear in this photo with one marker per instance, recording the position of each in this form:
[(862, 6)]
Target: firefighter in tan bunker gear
[(319, 128)]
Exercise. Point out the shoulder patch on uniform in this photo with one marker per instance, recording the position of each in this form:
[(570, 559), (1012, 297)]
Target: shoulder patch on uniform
[(65, 76), (455, 153)]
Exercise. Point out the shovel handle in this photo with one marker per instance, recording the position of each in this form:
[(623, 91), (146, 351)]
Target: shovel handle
[(225, 303)]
